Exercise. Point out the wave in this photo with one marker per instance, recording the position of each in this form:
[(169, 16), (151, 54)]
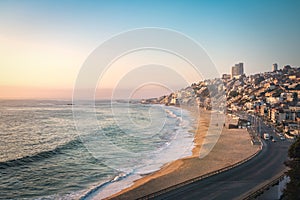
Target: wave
[(41, 155), (173, 138), (94, 191), (170, 113)]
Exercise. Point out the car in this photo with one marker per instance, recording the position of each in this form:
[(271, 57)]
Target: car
[(282, 138), (273, 140), (266, 136)]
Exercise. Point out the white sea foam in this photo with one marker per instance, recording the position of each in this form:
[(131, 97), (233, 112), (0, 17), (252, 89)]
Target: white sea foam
[(179, 145)]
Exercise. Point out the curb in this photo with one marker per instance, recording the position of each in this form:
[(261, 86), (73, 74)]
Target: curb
[(258, 190), (160, 192)]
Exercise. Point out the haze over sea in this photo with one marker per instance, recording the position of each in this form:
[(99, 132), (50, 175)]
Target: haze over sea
[(42, 155)]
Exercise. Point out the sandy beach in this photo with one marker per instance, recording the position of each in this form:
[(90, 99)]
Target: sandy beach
[(233, 146)]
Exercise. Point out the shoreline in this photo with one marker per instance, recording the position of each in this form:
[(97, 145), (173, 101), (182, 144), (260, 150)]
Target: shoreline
[(232, 147)]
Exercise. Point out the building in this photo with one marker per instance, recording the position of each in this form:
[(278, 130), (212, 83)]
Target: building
[(274, 67), (278, 115), (237, 70), (226, 77)]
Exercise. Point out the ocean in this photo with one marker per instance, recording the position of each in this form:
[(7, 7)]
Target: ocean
[(52, 149)]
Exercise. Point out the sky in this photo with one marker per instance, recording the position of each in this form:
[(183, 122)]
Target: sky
[(43, 44)]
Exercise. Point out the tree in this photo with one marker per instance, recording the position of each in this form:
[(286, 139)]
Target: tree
[(258, 80), (233, 93), (295, 97), (292, 191)]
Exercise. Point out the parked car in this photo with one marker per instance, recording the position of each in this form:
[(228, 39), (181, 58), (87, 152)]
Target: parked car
[(273, 140), (282, 138), (266, 136)]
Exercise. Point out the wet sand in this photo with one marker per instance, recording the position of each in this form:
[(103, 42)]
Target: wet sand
[(233, 146)]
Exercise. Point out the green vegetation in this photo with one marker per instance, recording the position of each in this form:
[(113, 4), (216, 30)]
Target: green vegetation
[(292, 191), (233, 94)]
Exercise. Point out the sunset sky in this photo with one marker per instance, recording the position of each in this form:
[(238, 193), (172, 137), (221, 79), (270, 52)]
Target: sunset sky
[(43, 44)]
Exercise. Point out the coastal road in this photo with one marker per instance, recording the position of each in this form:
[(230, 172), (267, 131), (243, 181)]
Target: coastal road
[(237, 181)]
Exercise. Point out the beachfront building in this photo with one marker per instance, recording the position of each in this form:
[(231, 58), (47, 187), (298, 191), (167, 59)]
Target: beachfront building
[(279, 115), (243, 123)]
